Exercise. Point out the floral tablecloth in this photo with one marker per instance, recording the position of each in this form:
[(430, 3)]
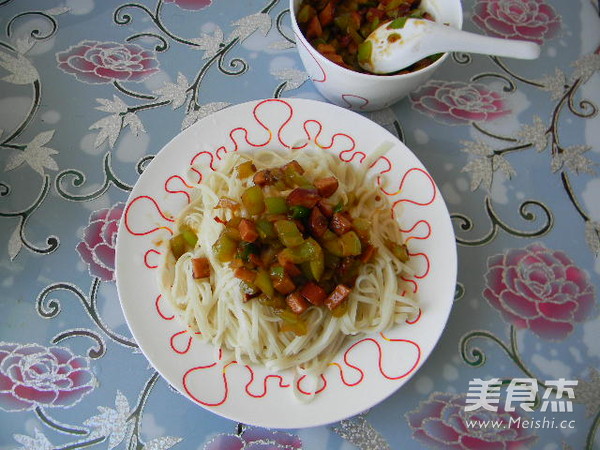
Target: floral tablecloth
[(90, 90)]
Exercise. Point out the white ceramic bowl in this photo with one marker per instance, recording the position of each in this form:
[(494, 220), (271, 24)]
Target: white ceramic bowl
[(366, 92)]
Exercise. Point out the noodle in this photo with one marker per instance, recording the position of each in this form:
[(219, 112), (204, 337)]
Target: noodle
[(248, 331)]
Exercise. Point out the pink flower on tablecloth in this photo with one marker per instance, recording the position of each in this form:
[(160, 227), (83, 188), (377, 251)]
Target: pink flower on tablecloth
[(255, 438), (97, 248), (458, 103), (191, 5), (529, 20), (106, 62), (441, 422), (32, 376), (539, 289)]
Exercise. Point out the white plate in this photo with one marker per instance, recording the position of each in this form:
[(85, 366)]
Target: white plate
[(369, 368)]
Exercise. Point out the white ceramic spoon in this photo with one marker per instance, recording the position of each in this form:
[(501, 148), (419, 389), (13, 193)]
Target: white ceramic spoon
[(399, 44)]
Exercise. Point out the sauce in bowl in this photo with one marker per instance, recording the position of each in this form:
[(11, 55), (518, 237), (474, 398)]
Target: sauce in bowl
[(337, 29)]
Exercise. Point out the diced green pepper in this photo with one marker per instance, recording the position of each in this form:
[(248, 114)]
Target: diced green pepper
[(293, 322), (276, 301), (365, 50), (305, 13), (277, 272), (248, 288), (189, 236), (224, 248), (400, 251), (350, 244), (339, 207), (331, 261), (309, 250), (276, 205), (245, 169), (177, 244), (288, 233), (293, 178), (299, 212), (328, 235), (417, 13), (334, 246), (292, 254), (317, 263), (253, 200), (246, 249), (264, 283), (362, 227), (265, 229)]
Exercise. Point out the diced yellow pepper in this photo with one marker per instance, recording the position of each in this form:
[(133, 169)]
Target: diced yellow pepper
[(253, 200)]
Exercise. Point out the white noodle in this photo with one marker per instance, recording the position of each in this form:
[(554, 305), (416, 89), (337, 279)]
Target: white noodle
[(249, 331)]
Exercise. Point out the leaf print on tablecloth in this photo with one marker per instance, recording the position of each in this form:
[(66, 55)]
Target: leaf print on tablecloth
[(111, 423), (292, 78), (586, 67), (114, 106), (248, 25), (205, 110), (211, 44), (592, 236), (173, 93), (359, 432), (21, 71), (14, 243), (191, 5), (588, 392), (35, 155), (481, 172), (37, 442), (161, 443), (572, 158), (535, 134)]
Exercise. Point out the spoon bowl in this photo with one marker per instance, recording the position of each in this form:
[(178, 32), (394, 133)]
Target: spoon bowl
[(398, 44)]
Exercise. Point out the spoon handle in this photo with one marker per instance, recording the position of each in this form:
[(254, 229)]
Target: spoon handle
[(451, 39)]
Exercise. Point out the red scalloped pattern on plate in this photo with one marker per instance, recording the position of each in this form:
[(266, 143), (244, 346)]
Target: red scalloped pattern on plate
[(157, 304), (349, 373)]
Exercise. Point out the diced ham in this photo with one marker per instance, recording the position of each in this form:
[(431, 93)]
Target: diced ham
[(248, 230), (288, 266), (340, 223), (367, 254), (256, 260), (325, 207), (296, 302), (317, 223), (314, 293), (327, 186), (200, 268), (245, 274), (262, 178), (284, 285), (303, 197), (337, 296)]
